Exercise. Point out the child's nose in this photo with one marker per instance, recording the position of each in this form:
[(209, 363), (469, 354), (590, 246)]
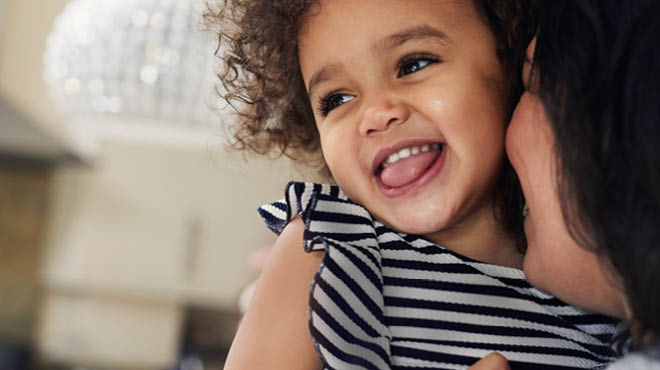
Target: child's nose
[(381, 113)]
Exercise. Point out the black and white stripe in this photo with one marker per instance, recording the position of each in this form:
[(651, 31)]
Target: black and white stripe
[(388, 300)]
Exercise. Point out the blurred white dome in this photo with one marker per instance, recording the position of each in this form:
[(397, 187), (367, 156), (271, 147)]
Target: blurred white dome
[(126, 59)]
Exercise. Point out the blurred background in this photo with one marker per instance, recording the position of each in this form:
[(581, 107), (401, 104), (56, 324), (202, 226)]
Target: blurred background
[(126, 228)]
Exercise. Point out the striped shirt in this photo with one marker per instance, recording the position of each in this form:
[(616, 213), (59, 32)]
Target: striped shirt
[(382, 299)]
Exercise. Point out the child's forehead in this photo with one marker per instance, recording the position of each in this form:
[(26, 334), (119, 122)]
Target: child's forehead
[(336, 25), (320, 14)]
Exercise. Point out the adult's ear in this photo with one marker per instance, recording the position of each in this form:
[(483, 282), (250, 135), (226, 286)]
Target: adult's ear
[(494, 361), (529, 79)]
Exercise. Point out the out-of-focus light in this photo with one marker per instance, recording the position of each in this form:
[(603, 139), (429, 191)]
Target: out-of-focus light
[(72, 86), (149, 74)]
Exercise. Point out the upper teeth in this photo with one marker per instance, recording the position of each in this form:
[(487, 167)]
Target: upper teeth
[(407, 152)]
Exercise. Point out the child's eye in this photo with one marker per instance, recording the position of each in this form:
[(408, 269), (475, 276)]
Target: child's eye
[(332, 101), (413, 63)]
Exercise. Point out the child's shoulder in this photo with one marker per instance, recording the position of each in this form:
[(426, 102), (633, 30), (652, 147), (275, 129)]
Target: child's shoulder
[(324, 209), (302, 199)]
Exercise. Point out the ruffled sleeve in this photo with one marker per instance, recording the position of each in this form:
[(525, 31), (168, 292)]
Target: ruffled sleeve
[(346, 304), (326, 212)]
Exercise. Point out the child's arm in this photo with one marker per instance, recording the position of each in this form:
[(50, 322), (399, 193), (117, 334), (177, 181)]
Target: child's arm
[(274, 333)]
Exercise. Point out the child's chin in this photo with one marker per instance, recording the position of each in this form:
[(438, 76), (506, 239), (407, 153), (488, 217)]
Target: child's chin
[(419, 226)]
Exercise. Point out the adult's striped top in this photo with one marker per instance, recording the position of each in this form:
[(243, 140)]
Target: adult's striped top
[(382, 299)]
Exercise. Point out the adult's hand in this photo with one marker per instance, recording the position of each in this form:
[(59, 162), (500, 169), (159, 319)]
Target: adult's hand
[(494, 361)]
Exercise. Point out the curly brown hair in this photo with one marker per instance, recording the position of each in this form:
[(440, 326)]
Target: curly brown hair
[(261, 78), (262, 81)]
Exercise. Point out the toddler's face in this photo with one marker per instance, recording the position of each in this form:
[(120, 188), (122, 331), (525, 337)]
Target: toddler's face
[(410, 103)]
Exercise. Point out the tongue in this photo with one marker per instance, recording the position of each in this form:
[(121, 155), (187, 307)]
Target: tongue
[(409, 169)]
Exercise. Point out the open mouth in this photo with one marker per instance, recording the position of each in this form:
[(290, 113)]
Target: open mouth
[(409, 167)]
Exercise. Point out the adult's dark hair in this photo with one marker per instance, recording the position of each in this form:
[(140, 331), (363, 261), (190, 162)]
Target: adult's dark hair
[(597, 64), (262, 79)]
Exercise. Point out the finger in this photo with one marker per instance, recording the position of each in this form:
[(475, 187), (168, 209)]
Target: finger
[(494, 361)]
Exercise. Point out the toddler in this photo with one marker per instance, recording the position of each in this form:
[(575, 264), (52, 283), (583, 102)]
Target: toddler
[(414, 257)]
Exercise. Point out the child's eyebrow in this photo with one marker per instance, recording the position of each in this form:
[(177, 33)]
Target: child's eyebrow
[(322, 75), (416, 33)]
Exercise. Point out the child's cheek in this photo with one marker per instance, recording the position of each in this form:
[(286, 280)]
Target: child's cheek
[(332, 156)]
